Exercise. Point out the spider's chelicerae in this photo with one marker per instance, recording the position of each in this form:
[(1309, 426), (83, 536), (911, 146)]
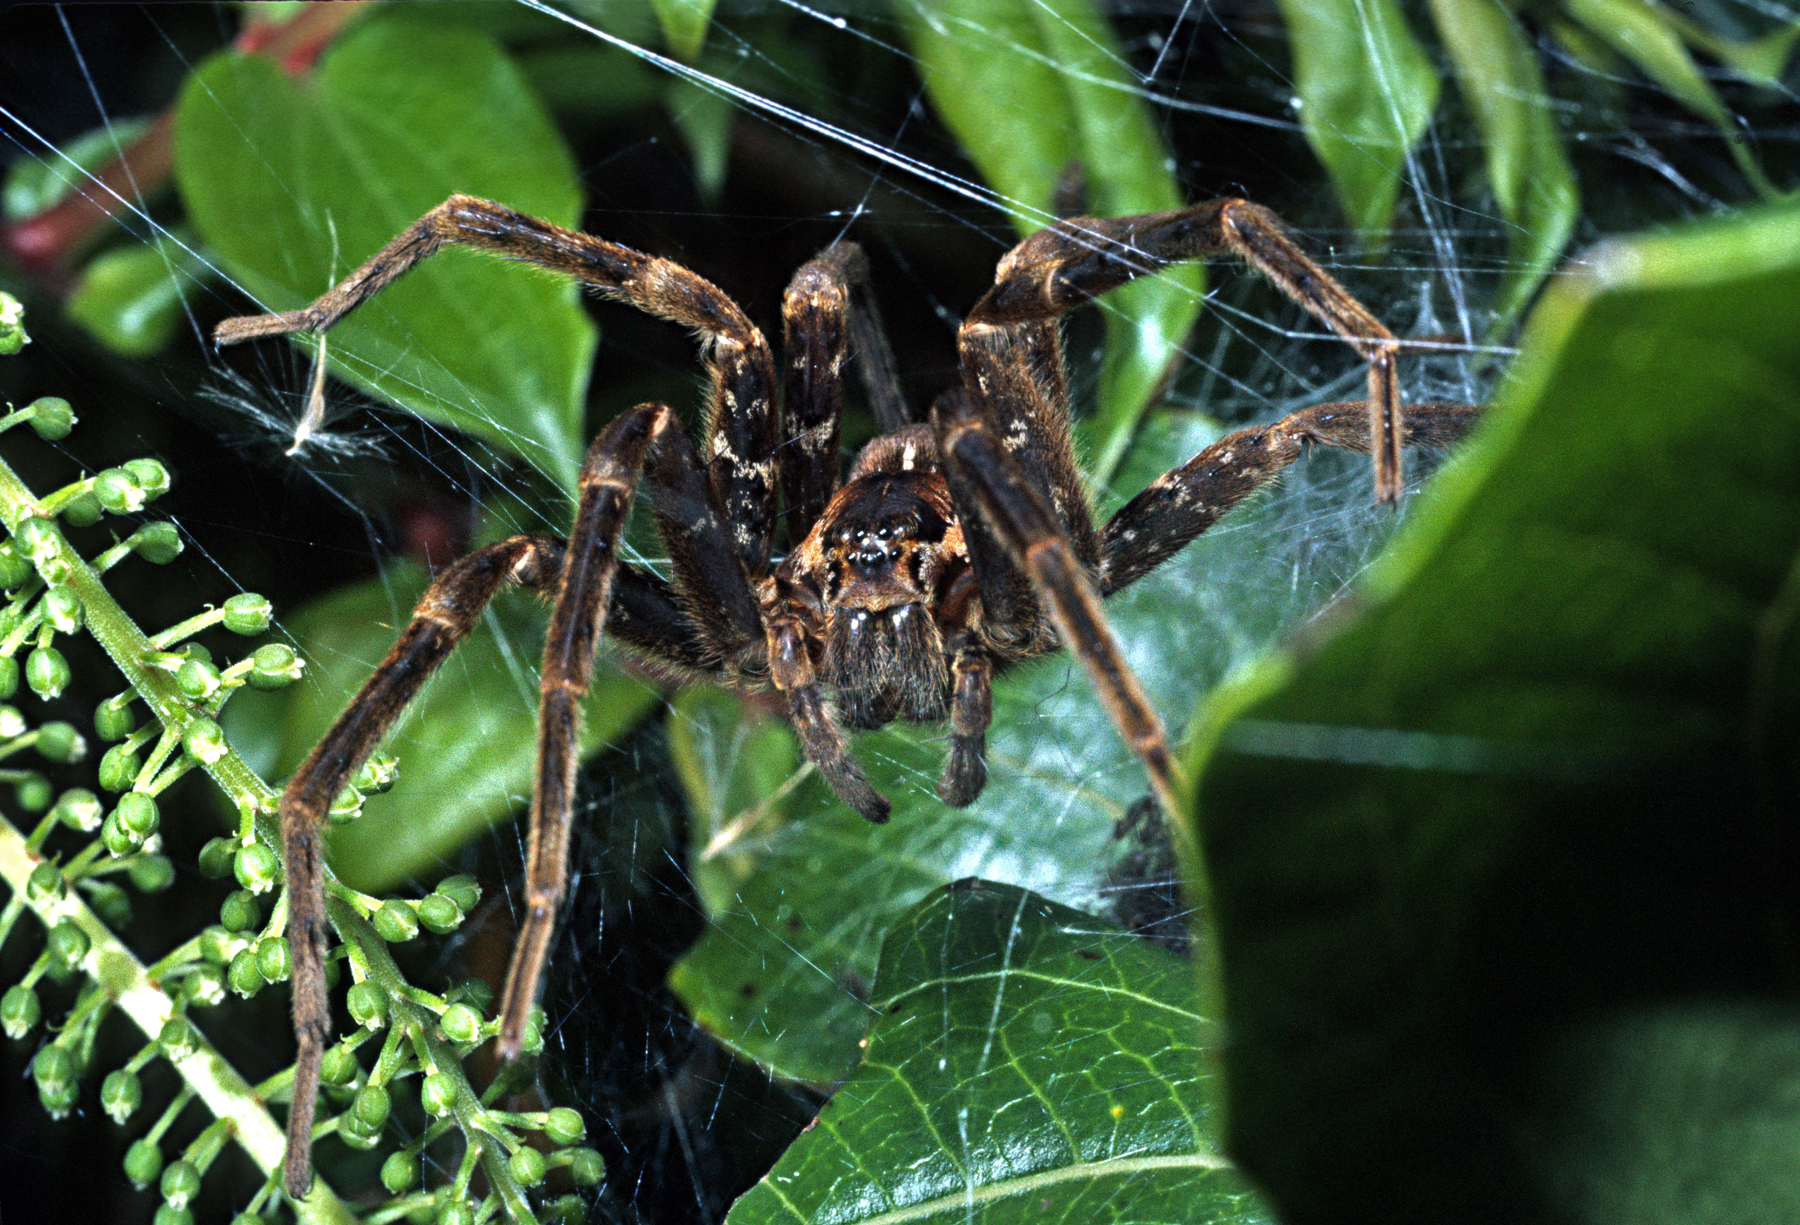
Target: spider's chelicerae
[(953, 547)]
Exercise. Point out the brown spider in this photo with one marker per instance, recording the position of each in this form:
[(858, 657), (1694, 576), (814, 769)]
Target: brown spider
[(950, 551)]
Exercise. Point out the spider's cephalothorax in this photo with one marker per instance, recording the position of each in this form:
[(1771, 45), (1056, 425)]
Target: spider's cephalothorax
[(950, 550)]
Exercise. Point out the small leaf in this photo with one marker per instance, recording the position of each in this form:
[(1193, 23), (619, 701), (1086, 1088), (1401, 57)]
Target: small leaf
[(133, 298), (1529, 172), (684, 24), (1026, 1062), (295, 184), (1367, 91)]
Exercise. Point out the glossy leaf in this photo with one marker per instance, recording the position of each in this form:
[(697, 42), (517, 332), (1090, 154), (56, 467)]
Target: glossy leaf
[(132, 299), (1501, 871), (295, 183), (1366, 90), (467, 746), (1032, 90), (1025, 1062), (1529, 173)]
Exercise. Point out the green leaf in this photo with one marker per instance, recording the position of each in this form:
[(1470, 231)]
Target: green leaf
[(684, 24), (1530, 175), (1502, 871), (1025, 1062), (1646, 36), (294, 184), (133, 298), (467, 745), (799, 890), (1031, 89), (1367, 91)]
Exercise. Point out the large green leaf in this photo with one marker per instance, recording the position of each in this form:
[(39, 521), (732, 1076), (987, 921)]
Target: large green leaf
[(1025, 1062), (467, 746), (1032, 89), (1367, 91), (1504, 873), (294, 183)]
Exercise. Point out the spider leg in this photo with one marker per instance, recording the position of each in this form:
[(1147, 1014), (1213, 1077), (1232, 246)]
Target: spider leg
[(443, 618), (1022, 517), (791, 667), (971, 711), (829, 317), (1074, 261), (1182, 503), (741, 428)]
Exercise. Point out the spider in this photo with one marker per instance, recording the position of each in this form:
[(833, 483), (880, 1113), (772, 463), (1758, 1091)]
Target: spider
[(953, 548)]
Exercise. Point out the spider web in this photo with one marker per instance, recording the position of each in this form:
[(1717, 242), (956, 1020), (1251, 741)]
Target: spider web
[(797, 126)]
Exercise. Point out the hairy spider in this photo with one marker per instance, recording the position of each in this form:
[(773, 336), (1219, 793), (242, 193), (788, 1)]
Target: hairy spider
[(951, 550)]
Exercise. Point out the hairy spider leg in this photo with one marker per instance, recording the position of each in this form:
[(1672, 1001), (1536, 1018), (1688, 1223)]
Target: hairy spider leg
[(1076, 260), (741, 428), (1184, 502)]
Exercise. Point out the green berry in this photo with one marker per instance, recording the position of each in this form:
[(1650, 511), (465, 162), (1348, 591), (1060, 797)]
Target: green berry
[(460, 1024), (400, 1172), (455, 1212), (564, 1210), (47, 672), (248, 1218), (119, 768), (203, 986), (339, 1066), (33, 792), (257, 868), (82, 510), (114, 718), (110, 902), (197, 680), (151, 873), (460, 889), (219, 946), (118, 840), (37, 541), (150, 476), (396, 922), (138, 813), (248, 613), (62, 610), (367, 1004), (240, 911), (68, 943), (15, 568), (53, 1069), (474, 992), (51, 417), (180, 1183), (143, 1163), (439, 914), (586, 1167), (45, 884), (564, 1127), (119, 492), (372, 1106), (79, 809), (121, 1093), (157, 543), (169, 1214), (61, 743), (528, 1166), (218, 857), (20, 1011), (378, 774), (438, 1094), (245, 975), (273, 665), (274, 958), (177, 1038), (346, 806), (204, 739)]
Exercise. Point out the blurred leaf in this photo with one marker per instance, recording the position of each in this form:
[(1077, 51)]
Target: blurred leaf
[(1025, 1062), (1523, 832), (1498, 73), (1031, 89), (684, 24), (1645, 35), (294, 184), (467, 746), (1367, 90), (133, 298), (705, 119), (34, 184)]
